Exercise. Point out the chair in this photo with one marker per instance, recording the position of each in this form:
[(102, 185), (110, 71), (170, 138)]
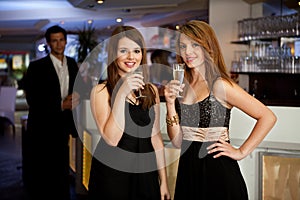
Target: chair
[(8, 105)]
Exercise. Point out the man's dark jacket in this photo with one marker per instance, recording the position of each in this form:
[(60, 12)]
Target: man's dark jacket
[(45, 148)]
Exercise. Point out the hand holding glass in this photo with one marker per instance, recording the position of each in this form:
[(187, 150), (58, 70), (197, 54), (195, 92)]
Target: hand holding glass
[(139, 70), (178, 73)]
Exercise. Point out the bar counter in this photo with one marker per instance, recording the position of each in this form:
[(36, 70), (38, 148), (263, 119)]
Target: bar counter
[(273, 87), (283, 138)]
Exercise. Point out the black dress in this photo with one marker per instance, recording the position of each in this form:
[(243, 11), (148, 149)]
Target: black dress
[(128, 171), (200, 176)]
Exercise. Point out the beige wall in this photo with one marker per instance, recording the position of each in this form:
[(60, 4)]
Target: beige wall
[(223, 17)]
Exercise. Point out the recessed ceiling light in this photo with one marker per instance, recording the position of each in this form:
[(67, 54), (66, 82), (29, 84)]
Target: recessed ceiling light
[(100, 1), (119, 19)]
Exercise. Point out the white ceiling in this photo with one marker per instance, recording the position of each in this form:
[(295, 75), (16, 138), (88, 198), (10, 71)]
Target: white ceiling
[(25, 20)]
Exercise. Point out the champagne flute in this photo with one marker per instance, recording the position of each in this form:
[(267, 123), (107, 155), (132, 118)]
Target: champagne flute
[(178, 73), (140, 71)]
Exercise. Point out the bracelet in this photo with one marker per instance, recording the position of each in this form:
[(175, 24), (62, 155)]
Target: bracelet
[(175, 120)]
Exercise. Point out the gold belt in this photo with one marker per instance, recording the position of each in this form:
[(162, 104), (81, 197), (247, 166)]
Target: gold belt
[(205, 134)]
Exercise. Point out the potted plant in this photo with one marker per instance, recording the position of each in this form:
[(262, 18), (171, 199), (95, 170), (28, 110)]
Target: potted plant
[(87, 40)]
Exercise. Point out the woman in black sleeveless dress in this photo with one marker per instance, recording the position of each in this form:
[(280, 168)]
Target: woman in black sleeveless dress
[(199, 122), (128, 163)]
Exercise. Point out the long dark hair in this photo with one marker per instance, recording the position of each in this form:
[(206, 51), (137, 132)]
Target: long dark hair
[(112, 70)]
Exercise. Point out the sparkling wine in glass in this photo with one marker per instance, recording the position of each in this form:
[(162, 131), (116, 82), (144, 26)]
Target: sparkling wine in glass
[(178, 73), (140, 71)]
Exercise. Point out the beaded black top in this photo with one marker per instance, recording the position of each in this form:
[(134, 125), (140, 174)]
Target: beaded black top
[(207, 113)]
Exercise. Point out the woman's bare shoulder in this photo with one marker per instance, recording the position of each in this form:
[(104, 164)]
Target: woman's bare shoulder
[(99, 90), (100, 87), (221, 90)]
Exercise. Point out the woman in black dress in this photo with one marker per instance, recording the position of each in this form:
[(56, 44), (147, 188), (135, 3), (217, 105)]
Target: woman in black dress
[(129, 162), (199, 122)]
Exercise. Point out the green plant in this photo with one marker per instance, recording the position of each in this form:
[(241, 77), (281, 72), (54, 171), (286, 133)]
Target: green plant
[(87, 39)]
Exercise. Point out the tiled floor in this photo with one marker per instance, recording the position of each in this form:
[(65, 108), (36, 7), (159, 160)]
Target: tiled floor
[(11, 185)]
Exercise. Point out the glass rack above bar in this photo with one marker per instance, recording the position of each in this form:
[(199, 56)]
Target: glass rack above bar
[(266, 70), (268, 27)]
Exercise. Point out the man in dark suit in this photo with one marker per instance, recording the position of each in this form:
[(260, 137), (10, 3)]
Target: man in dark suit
[(49, 91)]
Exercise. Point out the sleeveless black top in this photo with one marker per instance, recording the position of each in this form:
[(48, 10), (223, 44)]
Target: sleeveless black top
[(203, 114)]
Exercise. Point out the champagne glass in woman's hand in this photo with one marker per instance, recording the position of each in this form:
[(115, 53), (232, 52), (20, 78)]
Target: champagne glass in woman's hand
[(140, 71), (178, 73)]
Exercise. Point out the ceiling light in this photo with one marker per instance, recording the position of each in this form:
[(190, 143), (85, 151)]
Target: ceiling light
[(90, 21), (100, 1), (119, 19), (41, 47)]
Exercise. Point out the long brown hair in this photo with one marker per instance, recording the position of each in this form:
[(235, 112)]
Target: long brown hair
[(204, 35), (112, 70)]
